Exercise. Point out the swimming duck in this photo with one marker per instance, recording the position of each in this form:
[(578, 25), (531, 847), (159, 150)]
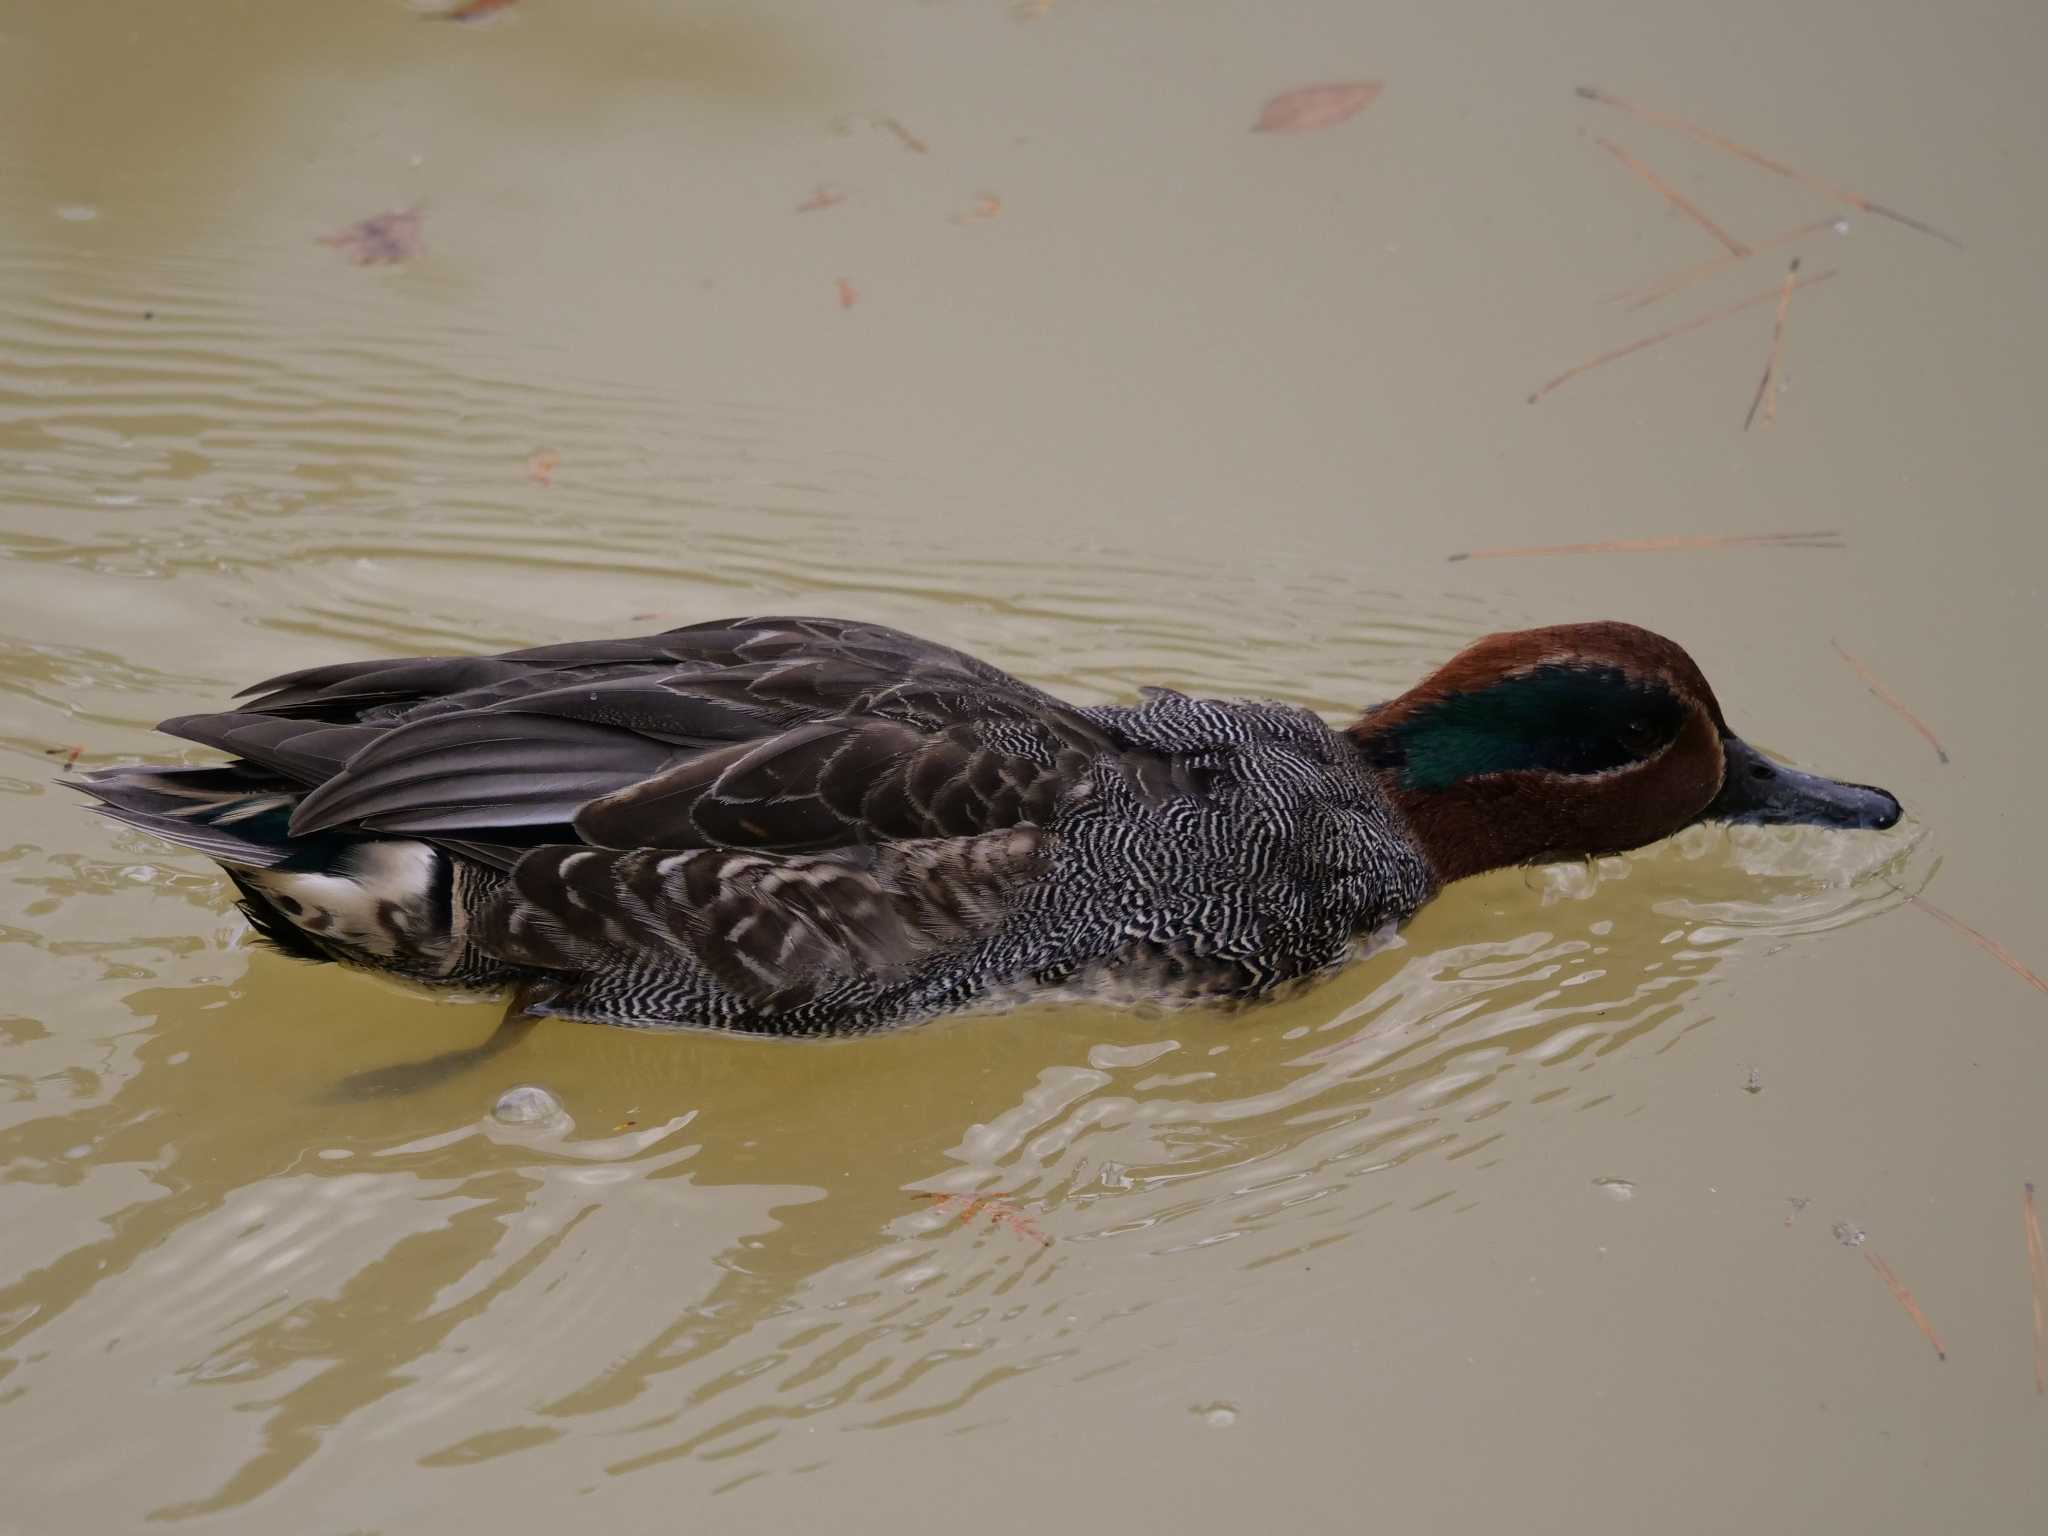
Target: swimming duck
[(800, 826)]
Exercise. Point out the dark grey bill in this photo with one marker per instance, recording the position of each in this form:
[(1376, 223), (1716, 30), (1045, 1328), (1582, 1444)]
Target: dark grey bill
[(1755, 789)]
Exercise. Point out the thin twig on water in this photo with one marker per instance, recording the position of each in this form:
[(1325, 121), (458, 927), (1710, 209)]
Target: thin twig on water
[(1767, 386), (1905, 1299), (1985, 942), (1664, 287), (1677, 330), (1675, 198), (903, 135), (1778, 167), (2037, 1271), (1898, 706), (1824, 538)]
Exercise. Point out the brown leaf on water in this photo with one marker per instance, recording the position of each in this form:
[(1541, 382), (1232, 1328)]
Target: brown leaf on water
[(71, 757), (1000, 1212), (984, 208), (540, 469), (848, 294), (1905, 1299), (1823, 538), (1314, 107), (2037, 1271), (825, 197), (384, 240), (1898, 706)]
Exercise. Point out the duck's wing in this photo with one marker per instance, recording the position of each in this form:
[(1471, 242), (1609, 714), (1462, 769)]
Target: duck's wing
[(774, 734), (777, 930), (406, 687)]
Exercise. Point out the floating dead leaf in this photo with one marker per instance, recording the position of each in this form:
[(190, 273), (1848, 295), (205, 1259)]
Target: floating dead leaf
[(1905, 1299), (540, 469), (1677, 330), (1315, 107), (1985, 942), (824, 197), (384, 240), (1000, 1212), (2037, 1271), (848, 294), (1824, 538), (987, 207), (1767, 386), (1893, 700), (1754, 157), (70, 755)]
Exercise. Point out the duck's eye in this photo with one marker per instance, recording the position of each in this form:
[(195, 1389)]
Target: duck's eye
[(1640, 735)]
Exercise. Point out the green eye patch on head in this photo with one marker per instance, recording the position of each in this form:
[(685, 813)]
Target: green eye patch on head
[(1553, 718)]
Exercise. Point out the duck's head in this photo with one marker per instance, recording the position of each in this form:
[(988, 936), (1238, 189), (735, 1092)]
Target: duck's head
[(1578, 740)]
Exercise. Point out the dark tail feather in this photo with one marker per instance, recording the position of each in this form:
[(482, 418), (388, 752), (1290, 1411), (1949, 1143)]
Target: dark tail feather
[(233, 813)]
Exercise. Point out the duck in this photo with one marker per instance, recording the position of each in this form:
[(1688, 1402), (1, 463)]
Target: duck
[(808, 827)]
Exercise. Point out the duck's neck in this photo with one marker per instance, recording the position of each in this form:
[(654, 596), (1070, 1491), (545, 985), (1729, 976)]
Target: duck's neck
[(1467, 828)]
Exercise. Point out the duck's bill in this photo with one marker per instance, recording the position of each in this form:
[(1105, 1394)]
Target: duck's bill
[(1757, 790)]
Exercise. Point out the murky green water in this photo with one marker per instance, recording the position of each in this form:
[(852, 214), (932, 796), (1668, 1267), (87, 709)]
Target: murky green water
[(1524, 1224)]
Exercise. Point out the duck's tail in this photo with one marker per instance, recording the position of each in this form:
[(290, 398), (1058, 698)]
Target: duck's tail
[(393, 904), (232, 812)]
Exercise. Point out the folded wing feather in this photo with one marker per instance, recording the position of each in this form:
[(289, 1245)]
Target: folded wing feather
[(779, 930)]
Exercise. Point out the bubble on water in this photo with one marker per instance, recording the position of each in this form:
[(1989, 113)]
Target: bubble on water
[(78, 213), (528, 1104), (1616, 1189), (1849, 1235), (1216, 1415)]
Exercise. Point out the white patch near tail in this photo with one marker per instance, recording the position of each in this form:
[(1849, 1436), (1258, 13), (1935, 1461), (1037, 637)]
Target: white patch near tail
[(376, 900)]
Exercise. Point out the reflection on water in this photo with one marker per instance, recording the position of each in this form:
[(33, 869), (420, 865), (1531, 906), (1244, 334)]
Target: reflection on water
[(735, 1240)]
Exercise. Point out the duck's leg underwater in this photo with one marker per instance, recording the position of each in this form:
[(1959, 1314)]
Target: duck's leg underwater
[(412, 1076)]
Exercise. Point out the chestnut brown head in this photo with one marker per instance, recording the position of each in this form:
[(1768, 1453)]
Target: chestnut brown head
[(1579, 740)]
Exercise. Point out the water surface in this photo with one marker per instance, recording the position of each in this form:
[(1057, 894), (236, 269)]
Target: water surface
[(1523, 1223)]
